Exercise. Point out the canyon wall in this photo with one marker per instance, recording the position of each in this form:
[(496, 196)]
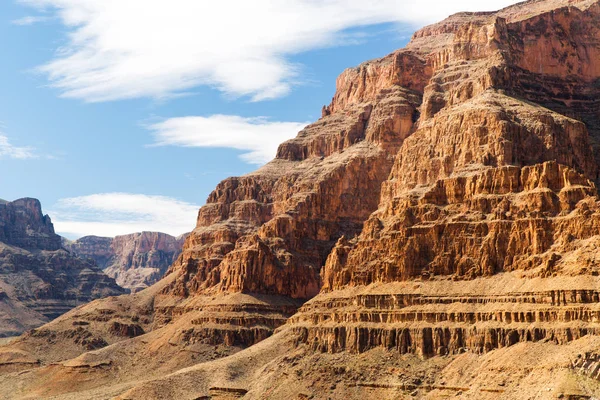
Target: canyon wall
[(38, 279), (496, 184), (135, 261), (445, 204)]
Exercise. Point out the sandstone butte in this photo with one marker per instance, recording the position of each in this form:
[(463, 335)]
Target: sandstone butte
[(135, 261), (39, 280), (434, 234)]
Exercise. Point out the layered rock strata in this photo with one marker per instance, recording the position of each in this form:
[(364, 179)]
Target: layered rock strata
[(444, 204), (135, 261), (270, 231), (440, 317), (38, 279), (490, 184), (22, 224)]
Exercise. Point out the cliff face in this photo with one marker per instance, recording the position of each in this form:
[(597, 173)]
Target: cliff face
[(482, 92), (96, 248), (498, 179), (135, 261), (482, 135), (444, 204), (38, 279), (22, 224), (271, 231)]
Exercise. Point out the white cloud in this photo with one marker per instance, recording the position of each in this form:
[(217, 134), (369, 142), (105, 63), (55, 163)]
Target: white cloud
[(10, 151), (259, 136), (119, 49), (111, 214), (29, 20)]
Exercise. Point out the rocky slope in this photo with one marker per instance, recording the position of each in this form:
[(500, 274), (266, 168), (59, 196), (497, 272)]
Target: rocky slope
[(135, 261), (38, 279), (440, 223)]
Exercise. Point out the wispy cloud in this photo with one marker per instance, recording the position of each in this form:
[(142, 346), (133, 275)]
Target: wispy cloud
[(7, 150), (138, 48), (29, 20), (111, 214), (258, 136)]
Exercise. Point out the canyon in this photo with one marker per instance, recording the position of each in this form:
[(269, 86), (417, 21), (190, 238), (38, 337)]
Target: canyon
[(39, 280), (435, 233), (135, 261)]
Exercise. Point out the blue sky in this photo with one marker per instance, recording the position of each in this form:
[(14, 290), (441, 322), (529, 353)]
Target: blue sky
[(110, 111)]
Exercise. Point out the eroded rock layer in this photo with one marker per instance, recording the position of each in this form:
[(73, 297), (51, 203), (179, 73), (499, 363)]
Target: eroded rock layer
[(440, 317), (135, 261), (497, 181), (270, 231), (444, 205)]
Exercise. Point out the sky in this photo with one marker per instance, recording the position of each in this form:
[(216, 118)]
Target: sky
[(122, 115)]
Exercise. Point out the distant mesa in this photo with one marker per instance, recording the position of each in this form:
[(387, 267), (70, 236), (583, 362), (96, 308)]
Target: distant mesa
[(135, 261)]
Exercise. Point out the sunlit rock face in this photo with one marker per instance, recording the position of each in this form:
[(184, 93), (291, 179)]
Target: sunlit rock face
[(495, 185), (445, 204), (470, 153)]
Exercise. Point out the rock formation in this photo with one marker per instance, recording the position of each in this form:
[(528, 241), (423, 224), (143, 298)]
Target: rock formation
[(38, 279), (497, 179), (271, 231), (440, 223), (135, 261)]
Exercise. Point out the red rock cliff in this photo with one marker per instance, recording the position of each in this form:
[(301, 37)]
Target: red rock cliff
[(444, 204), (136, 260), (478, 96), (270, 231), (495, 187)]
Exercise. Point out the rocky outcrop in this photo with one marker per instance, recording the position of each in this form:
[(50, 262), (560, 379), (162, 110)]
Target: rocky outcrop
[(22, 224), (271, 231), (446, 203), (491, 156), (96, 248), (38, 279), (458, 91), (135, 261), (441, 317), (497, 180)]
